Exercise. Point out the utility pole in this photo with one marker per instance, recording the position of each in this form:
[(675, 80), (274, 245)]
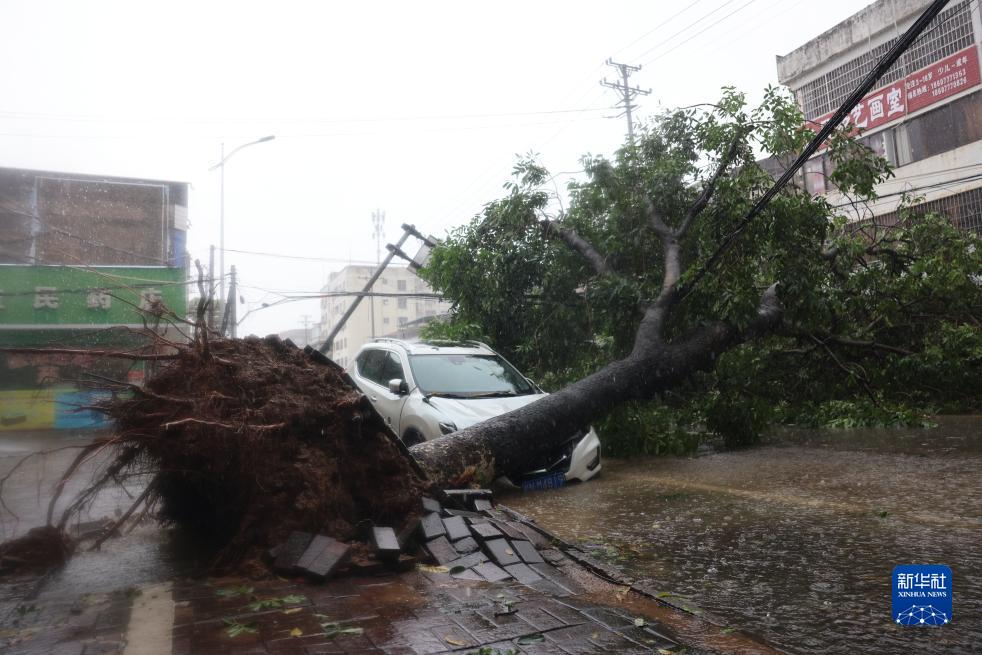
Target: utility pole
[(229, 315), (627, 92), (378, 220), (306, 329), (211, 288)]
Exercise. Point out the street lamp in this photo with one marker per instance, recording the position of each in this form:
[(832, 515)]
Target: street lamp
[(221, 229)]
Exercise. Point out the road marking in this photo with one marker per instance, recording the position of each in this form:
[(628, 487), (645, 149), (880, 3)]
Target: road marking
[(151, 622)]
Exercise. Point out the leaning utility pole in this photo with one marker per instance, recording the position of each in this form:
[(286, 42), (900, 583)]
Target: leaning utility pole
[(378, 220), (628, 93)]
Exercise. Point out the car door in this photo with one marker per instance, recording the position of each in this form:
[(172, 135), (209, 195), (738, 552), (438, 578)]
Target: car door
[(380, 366)]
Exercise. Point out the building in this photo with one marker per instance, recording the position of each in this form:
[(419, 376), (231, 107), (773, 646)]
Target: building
[(400, 299), (84, 261), (925, 117)]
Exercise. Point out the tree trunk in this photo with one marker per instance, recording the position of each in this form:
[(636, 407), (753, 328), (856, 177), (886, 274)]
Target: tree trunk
[(507, 444)]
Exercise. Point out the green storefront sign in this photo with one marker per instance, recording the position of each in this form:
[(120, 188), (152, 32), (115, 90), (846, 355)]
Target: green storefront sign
[(44, 298)]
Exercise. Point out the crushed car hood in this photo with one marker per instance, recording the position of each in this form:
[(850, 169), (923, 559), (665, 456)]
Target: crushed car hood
[(465, 412)]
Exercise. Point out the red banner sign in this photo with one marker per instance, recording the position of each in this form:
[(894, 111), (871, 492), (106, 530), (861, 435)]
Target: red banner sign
[(928, 86)]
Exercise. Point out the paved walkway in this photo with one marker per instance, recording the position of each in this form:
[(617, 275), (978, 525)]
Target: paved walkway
[(566, 604)]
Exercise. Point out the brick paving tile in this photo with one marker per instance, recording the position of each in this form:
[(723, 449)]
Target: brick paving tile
[(466, 545), (431, 526), (592, 638), (550, 588), (456, 528), (484, 531), (441, 550), (523, 573), (501, 552), (609, 618), (538, 618), (491, 572), (565, 613), (553, 574), (527, 551), (429, 504)]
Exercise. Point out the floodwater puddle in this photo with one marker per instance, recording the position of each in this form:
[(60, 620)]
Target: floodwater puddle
[(795, 540)]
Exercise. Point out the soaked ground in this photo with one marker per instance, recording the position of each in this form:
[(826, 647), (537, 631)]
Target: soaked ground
[(146, 555), (796, 540)]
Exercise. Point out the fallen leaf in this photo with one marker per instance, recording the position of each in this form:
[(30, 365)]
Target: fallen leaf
[(536, 638), (296, 632), (292, 610), (432, 569), (454, 642), (639, 623)]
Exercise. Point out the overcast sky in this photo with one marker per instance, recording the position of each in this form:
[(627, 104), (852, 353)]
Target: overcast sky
[(414, 108)]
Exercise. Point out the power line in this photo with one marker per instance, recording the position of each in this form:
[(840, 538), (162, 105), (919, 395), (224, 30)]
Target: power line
[(336, 260), (685, 29), (658, 26), (708, 27)]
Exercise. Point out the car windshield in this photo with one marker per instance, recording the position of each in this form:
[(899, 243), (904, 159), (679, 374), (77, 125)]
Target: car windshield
[(468, 376)]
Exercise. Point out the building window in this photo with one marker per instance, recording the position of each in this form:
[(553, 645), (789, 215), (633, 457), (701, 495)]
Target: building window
[(402, 303), (948, 33), (385, 321), (403, 320), (401, 285)]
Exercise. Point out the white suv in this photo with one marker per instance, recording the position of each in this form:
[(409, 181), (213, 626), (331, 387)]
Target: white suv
[(430, 388)]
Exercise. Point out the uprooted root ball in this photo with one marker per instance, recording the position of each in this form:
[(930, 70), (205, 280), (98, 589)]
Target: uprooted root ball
[(252, 439)]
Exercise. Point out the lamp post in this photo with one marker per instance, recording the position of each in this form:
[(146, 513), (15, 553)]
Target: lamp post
[(221, 228)]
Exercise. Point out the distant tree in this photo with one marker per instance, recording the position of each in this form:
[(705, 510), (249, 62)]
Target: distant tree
[(652, 285)]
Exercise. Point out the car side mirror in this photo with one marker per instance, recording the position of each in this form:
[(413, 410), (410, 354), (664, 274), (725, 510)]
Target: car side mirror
[(398, 387)]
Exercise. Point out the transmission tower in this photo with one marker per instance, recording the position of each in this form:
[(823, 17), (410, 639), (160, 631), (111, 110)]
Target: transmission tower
[(627, 92)]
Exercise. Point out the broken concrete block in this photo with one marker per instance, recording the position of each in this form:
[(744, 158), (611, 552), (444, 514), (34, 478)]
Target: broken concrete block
[(441, 550), (466, 545), (523, 573), (501, 552), (527, 552), (386, 543), (290, 551), (456, 528), (323, 557), (430, 505), (431, 526)]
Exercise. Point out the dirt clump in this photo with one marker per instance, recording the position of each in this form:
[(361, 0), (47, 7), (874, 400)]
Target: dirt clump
[(248, 440)]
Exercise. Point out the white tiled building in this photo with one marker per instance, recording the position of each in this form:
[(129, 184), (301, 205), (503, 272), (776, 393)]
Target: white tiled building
[(924, 116), (402, 299)]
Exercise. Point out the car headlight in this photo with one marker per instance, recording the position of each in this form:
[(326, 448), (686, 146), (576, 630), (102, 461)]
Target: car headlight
[(446, 427)]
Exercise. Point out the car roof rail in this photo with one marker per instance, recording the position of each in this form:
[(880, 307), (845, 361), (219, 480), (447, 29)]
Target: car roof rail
[(401, 342), (478, 343)]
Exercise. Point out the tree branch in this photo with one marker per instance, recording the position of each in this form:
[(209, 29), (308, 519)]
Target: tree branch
[(710, 187), (577, 243)]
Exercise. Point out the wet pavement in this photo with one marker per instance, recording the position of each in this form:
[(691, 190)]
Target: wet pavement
[(138, 595), (796, 540)]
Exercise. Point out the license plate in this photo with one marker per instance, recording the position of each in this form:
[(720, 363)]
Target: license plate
[(547, 481)]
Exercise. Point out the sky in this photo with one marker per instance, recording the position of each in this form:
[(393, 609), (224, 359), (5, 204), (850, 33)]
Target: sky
[(417, 109)]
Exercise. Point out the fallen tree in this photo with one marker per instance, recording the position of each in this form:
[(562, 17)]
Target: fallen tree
[(678, 255)]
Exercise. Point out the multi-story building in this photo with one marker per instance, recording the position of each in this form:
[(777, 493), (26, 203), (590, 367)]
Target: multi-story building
[(925, 117), (399, 298), (81, 257)]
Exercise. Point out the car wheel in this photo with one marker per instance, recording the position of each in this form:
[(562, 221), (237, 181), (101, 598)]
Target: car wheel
[(412, 437)]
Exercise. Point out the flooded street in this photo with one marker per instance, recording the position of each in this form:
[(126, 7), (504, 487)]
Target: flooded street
[(144, 556), (796, 540)]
